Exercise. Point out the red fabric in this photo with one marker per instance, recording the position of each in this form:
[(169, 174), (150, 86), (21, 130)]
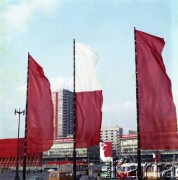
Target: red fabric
[(88, 118), (40, 110), (157, 113), (66, 162), (8, 148), (106, 147)]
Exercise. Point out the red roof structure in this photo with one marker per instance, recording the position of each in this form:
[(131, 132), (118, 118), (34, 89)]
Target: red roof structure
[(8, 154)]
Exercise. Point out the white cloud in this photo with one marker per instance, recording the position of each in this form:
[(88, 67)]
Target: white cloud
[(120, 108), (121, 114), (175, 97), (8, 121), (22, 88), (19, 15), (58, 83), (48, 6)]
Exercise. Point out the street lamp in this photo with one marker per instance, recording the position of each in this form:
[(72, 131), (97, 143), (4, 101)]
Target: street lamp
[(17, 159)]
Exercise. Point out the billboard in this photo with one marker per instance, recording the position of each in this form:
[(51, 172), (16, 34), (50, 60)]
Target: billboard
[(106, 151)]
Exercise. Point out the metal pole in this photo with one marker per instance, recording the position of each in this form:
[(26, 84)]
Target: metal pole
[(74, 110), (25, 136), (139, 173), (17, 158)]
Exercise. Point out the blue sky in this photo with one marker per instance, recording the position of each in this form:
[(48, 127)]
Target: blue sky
[(46, 29)]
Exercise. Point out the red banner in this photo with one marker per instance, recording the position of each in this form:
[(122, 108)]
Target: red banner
[(157, 113), (40, 130), (8, 148), (88, 118)]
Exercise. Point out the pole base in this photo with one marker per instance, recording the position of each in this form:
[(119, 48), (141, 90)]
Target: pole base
[(17, 177)]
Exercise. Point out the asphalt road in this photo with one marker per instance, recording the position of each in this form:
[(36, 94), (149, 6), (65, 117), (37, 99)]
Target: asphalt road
[(11, 175)]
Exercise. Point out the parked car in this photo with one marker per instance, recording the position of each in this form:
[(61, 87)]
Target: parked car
[(87, 177), (58, 175), (50, 170), (35, 178)]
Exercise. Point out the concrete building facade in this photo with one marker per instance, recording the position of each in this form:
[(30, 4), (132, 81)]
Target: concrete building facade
[(63, 113), (111, 134)]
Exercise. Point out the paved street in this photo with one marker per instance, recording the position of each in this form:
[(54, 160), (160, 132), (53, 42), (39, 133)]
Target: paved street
[(11, 175)]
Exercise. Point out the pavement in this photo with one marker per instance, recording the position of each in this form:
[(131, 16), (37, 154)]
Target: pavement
[(11, 175)]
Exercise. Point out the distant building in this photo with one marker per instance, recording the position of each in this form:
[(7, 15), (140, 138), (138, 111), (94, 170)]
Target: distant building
[(63, 113), (132, 132), (111, 134), (62, 149), (128, 145), (68, 111)]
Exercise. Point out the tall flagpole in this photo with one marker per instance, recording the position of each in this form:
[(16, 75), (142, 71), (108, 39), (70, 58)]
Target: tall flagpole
[(25, 137), (74, 112), (139, 173)]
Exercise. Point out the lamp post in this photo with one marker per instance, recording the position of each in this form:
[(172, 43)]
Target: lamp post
[(17, 158)]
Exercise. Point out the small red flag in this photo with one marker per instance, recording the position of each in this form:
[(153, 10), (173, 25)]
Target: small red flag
[(40, 128), (157, 113)]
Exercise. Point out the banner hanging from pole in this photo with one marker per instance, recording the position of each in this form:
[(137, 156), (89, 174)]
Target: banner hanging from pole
[(88, 97), (157, 112)]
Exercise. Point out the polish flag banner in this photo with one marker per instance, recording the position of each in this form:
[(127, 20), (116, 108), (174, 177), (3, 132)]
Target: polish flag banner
[(88, 96)]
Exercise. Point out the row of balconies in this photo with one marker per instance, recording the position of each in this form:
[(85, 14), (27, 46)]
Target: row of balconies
[(69, 153)]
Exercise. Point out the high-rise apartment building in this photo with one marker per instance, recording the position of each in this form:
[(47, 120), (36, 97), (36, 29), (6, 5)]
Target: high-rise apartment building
[(68, 111), (63, 113)]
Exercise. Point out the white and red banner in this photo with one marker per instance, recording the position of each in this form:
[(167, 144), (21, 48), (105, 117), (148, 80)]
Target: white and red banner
[(106, 151), (89, 98)]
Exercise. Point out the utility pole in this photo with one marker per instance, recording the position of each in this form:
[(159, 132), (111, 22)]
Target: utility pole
[(17, 158)]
